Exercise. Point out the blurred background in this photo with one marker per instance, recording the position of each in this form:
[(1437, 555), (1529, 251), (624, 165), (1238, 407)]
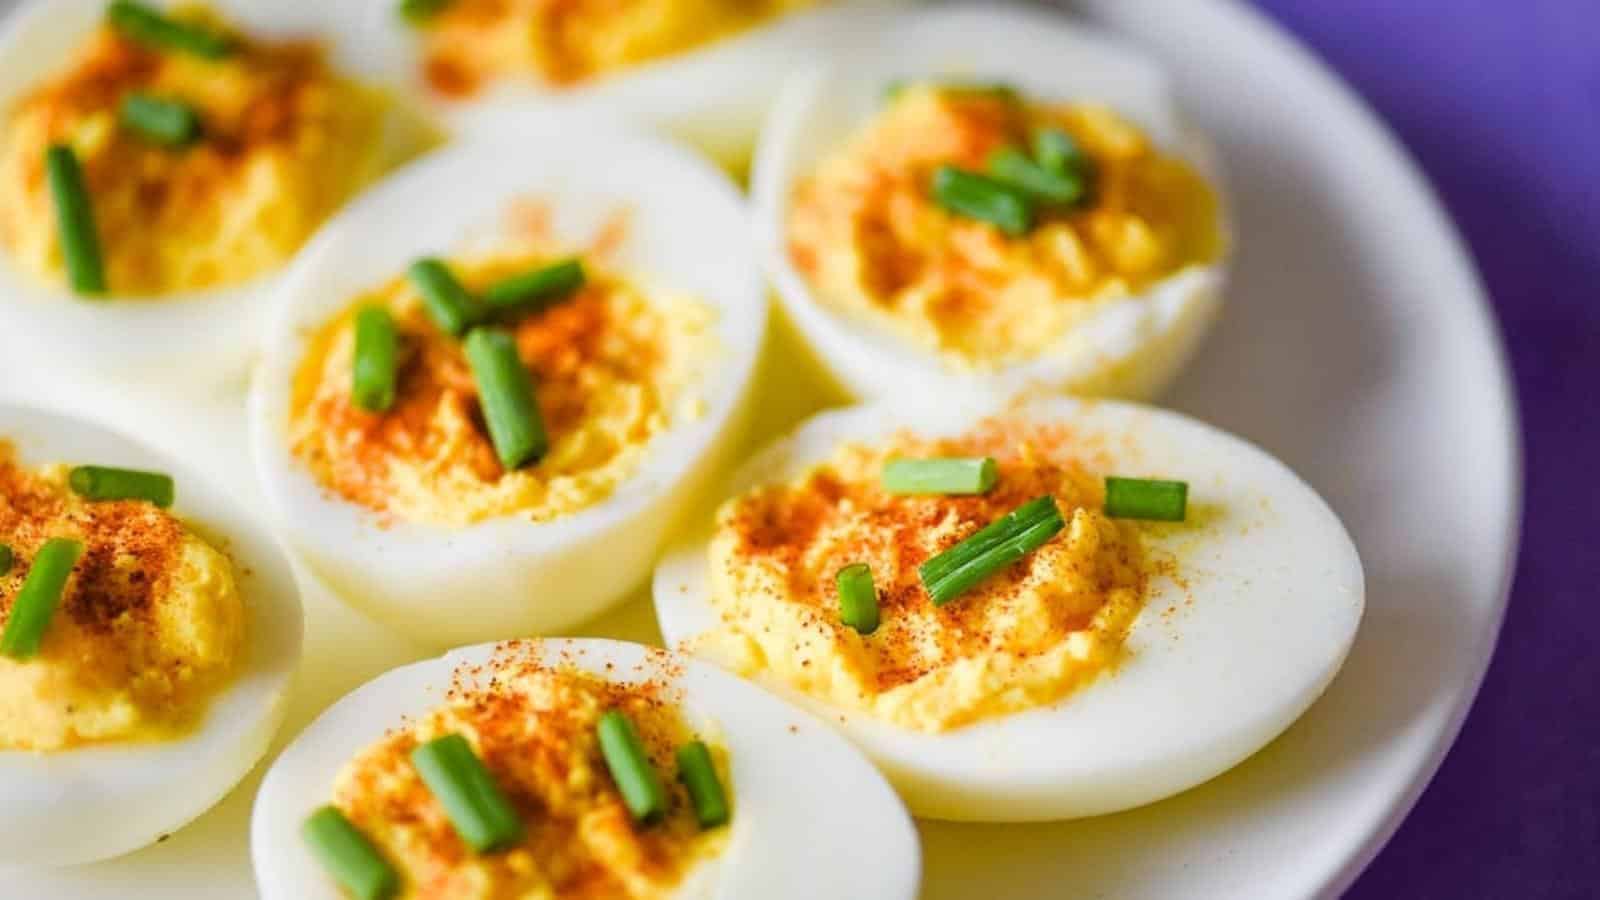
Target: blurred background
[(1500, 103)]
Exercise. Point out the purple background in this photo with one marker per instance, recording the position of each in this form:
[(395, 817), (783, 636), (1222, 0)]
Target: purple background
[(1500, 102)]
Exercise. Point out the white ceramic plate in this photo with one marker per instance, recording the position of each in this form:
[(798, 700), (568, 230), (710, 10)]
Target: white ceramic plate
[(1356, 347)]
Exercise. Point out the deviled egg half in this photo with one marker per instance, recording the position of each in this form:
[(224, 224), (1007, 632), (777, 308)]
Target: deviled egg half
[(493, 382), (148, 633), (705, 69), (990, 198), (576, 769), (160, 164), (1035, 611)]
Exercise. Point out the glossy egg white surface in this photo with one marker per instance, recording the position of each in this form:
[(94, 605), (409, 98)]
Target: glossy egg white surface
[(510, 576), (714, 95), (1270, 597), (811, 818), (155, 341), (1131, 347), (83, 804)]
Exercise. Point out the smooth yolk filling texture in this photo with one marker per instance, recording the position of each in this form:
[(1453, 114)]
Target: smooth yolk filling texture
[(534, 728), (563, 42), (612, 371), (284, 141), (1027, 636), (865, 231), (150, 627)]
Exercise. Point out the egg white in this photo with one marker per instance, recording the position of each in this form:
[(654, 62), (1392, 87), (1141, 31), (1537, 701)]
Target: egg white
[(192, 342), (1130, 347), (811, 818), (713, 96), (511, 576), (79, 805), (1270, 597)]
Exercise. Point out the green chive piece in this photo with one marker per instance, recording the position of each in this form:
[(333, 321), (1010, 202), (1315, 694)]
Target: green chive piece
[(858, 598), (6, 559), (348, 856), (952, 475), (985, 539), (140, 23), (171, 123), (1141, 498), (1059, 154), (980, 197), (699, 776), (377, 360), (80, 240), (461, 783), (1013, 167), (37, 599), (107, 483), (448, 304), (630, 767), (999, 544), (538, 288), (997, 89), (418, 11), (505, 392)]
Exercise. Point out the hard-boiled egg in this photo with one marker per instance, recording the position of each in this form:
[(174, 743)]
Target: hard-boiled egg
[(708, 88), (809, 817), (1095, 312), (455, 575), (182, 311), (1247, 612), (94, 799)]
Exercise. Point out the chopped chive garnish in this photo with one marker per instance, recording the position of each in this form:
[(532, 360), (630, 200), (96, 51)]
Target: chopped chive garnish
[(505, 392), (641, 788), (980, 197), (80, 241), (858, 598), (1046, 185), (1140, 498), (447, 303), (540, 287), (989, 536), (458, 779), (6, 559), (37, 599), (171, 123), (952, 475), (997, 89), (999, 544), (348, 856), (699, 776), (106, 483), (419, 11), (376, 363), (140, 23), (1058, 153)]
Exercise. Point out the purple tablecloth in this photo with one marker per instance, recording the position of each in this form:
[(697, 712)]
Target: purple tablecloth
[(1500, 101)]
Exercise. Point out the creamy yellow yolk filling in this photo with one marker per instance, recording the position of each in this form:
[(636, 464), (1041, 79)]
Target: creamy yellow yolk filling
[(613, 369), (865, 231), (284, 141), (563, 42), (534, 728), (150, 627), (1028, 635)]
